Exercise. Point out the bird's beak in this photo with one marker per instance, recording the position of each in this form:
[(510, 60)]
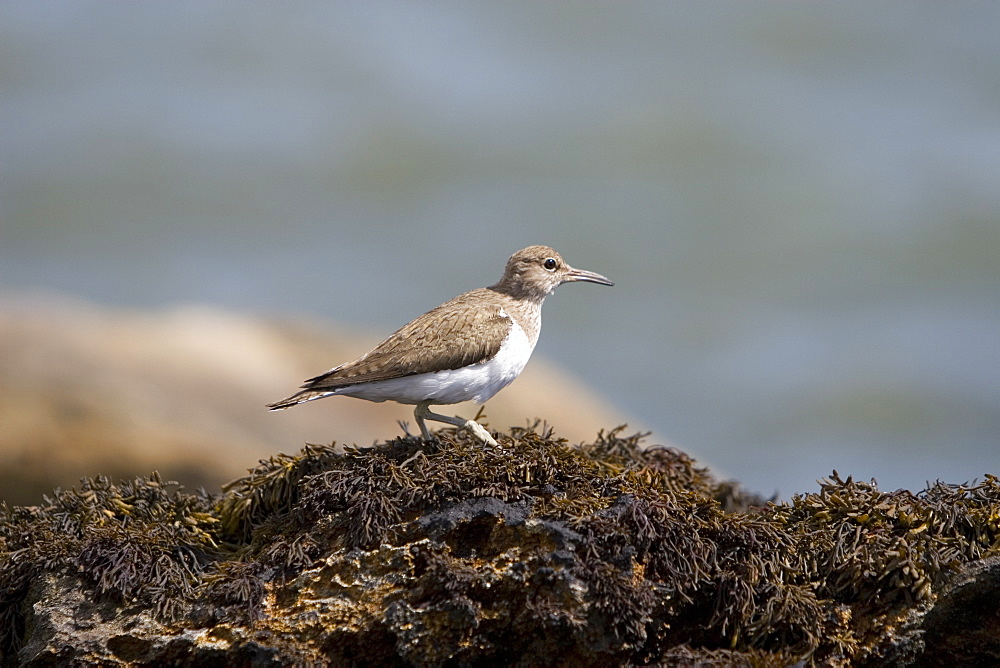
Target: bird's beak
[(582, 275)]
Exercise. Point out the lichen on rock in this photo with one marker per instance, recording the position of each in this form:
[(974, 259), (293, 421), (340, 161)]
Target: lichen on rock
[(448, 553)]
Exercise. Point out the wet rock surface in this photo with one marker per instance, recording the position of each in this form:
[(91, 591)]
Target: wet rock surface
[(539, 552)]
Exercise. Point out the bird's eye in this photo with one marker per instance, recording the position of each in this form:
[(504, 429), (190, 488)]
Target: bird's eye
[(550, 264)]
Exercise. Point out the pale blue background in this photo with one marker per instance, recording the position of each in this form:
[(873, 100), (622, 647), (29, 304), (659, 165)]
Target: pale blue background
[(799, 202)]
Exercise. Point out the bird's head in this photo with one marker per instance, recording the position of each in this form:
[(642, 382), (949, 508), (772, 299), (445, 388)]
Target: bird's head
[(536, 271)]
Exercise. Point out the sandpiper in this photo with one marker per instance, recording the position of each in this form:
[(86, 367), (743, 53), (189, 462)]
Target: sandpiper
[(470, 347)]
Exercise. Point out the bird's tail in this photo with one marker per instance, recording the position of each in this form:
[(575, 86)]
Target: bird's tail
[(299, 398)]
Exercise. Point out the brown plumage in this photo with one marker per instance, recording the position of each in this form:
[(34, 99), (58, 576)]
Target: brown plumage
[(457, 333), (490, 330)]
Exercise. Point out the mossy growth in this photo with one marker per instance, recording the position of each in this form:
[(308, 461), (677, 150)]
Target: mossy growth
[(140, 542), (449, 552)]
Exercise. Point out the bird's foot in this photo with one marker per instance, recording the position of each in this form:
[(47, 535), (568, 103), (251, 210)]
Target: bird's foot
[(480, 431)]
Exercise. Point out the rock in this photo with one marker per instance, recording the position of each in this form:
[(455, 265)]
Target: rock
[(535, 553), (962, 628)]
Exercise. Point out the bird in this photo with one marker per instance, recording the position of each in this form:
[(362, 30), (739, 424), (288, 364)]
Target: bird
[(468, 348)]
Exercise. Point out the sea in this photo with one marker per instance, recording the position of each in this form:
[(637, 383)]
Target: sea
[(799, 202)]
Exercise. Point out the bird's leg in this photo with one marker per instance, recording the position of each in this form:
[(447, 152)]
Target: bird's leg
[(419, 413), (422, 411)]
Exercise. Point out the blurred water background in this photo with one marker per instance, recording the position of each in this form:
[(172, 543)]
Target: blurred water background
[(799, 202)]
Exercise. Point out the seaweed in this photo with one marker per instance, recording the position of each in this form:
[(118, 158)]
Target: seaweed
[(143, 541), (448, 552), (236, 589), (882, 549)]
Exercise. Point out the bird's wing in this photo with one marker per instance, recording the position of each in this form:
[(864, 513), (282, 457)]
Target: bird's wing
[(456, 334)]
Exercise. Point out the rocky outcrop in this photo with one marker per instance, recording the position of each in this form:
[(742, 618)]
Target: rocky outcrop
[(535, 553)]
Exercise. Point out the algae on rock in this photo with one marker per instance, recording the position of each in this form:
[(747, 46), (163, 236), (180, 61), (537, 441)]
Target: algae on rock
[(541, 552)]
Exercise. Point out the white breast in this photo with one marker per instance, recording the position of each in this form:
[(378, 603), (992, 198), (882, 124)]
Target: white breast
[(477, 382)]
